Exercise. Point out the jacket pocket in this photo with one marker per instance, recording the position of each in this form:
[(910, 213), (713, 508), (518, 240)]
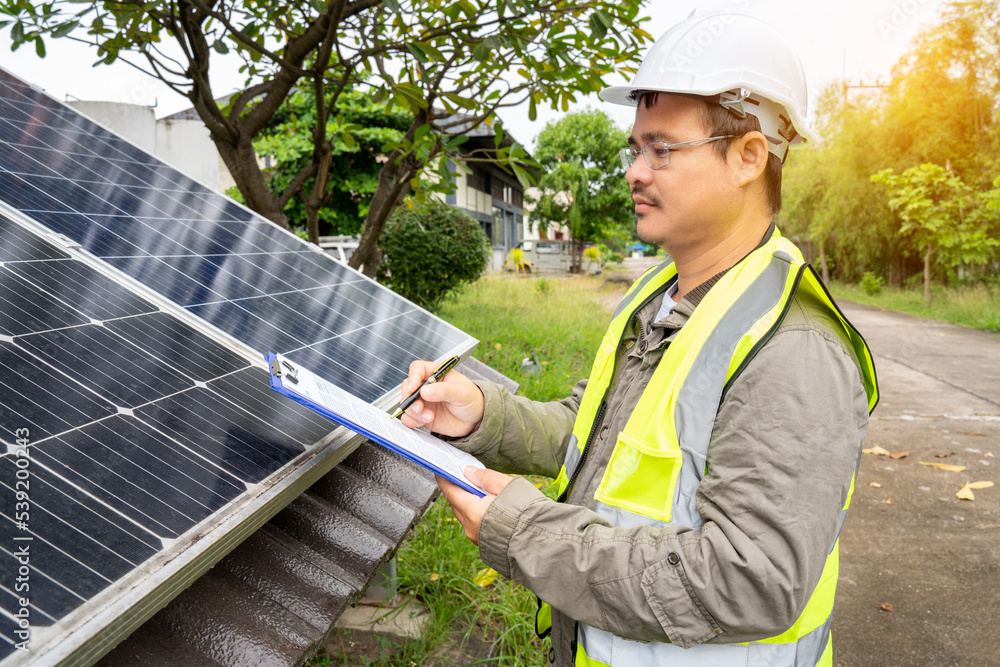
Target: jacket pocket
[(641, 479)]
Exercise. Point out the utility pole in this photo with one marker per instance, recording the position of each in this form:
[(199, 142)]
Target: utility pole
[(848, 86)]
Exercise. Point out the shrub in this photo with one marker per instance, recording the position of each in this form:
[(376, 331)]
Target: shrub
[(615, 257), (430, 251), (871, 283)]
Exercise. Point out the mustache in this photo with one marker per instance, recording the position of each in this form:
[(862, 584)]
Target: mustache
[(641, 193)]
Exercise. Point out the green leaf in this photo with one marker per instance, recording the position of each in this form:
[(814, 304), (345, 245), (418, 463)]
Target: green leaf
[(460, 101), (65, 29), (39, 47), (17, 33), (320, 7), (417, 52), (220, 47), (411, 94), (391, 5)]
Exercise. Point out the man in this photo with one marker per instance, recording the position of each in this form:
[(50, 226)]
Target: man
[(706, 466)]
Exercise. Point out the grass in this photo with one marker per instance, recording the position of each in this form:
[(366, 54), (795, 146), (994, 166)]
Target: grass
[(976, 306), (559, 321)]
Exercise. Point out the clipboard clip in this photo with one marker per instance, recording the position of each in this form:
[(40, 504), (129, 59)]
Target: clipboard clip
[(290, 373)]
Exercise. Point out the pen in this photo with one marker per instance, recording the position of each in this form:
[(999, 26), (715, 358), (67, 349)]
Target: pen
[(436, 376)]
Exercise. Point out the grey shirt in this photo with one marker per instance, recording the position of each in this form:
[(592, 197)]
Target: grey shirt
[(784, 450)]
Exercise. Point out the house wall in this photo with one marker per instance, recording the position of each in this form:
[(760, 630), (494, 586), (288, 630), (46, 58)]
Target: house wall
[(135, 122), (184, 144), (187, 145)]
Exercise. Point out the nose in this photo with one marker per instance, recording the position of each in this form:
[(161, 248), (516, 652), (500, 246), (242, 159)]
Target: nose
[(639, 172)]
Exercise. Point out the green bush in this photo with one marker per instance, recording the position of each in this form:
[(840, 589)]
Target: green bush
[(430, 251), (615, 257), (871, 283)]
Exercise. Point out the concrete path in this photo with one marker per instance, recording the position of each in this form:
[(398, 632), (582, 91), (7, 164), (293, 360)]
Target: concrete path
[(908, 541)]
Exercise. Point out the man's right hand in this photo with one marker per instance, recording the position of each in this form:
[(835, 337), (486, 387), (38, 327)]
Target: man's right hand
[(452, 407)]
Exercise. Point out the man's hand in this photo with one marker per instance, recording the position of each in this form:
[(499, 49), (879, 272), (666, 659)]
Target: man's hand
[(452, 407), (470, 509)]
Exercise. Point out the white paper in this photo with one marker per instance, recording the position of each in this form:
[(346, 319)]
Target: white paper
[(419, 443)]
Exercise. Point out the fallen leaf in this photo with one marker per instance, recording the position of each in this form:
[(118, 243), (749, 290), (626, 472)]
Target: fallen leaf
[(888, 501), (875, 484), (944, 456), (973, 433), (886, 606), (943, 466), (485, 577), (497, 346), (965, 493), (899, 455), (435, 576), (877, 450)]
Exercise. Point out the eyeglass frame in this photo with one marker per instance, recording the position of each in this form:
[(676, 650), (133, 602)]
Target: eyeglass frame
[(629, 155)]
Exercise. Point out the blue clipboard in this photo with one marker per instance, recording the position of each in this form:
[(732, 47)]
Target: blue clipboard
[(279, 370)]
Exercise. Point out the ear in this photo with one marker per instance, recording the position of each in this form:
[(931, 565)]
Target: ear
[(748, 157)]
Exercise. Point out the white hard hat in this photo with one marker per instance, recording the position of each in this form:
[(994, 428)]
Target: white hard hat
[(740, 61)]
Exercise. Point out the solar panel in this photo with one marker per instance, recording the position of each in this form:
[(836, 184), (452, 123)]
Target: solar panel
[(135, 307)]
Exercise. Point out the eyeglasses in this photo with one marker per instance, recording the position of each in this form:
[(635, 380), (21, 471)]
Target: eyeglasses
[(657, 153)]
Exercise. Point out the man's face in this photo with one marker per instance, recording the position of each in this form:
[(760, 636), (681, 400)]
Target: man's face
[(692, 200)]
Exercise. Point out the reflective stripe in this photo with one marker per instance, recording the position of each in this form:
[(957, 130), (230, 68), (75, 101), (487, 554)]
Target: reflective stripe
[(637, 288), (624, 518), (603, 647), (573, 456), (698, 399)]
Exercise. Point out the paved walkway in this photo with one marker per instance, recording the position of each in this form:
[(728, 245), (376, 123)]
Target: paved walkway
[(909, 541)]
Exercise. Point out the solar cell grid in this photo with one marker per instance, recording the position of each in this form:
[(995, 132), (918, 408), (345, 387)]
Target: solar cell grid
[(142, 426), (130, 441)]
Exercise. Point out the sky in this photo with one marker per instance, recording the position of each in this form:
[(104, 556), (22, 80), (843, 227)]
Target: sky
[(861, 39)]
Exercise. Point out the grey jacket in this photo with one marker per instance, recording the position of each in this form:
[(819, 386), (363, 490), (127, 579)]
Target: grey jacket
[(784, 449)]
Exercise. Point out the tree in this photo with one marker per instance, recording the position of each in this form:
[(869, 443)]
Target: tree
[(933, 204), (357, 134), (583, 185), (939, 107), (431, 57), (431, 250)]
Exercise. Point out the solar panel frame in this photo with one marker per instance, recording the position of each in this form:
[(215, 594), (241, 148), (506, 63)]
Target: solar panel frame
[(92, 629)]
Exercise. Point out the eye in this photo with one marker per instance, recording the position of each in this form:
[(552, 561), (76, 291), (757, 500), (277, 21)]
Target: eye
[(660, 151)]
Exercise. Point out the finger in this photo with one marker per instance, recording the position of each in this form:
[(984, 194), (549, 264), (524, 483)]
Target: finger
[(419, 371), (490, 481), (412, 421)]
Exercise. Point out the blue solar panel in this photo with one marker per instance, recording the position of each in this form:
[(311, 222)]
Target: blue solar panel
[(146, 426), (123, 205), (140, 427)]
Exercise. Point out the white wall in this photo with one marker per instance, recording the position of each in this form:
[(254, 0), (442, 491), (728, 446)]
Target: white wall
[(135, 122), (187, 145)]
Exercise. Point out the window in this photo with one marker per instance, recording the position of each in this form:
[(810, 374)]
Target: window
[(497, 236)]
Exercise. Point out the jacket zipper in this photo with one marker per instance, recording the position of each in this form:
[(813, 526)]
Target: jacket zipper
[(586, 448)]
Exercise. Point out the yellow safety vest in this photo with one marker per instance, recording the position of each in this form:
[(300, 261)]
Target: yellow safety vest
[(659, 458)]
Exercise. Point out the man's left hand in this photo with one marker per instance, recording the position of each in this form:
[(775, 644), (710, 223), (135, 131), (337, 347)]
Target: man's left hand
[(468, 508)]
